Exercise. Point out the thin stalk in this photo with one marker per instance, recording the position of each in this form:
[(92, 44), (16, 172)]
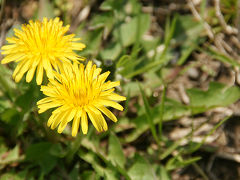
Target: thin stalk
[(149, 115), (161, 112), (200, 171)]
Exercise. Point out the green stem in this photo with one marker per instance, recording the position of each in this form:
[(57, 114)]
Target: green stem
[(74, 148), (5, 87), (161, 112)]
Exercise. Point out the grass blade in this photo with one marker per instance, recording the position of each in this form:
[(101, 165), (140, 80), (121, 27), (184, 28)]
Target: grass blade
[(161, 113), (149, 115)]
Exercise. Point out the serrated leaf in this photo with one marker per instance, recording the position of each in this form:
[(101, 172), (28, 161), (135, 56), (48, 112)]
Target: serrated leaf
[(115, 152), (92, 159), (217, 95), (27, 100), (93, 39), (39, 154), (103, 20), (112, 51), (128, 33), (141, 169)]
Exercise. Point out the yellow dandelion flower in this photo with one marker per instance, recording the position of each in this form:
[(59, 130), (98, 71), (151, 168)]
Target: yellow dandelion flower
[(42, 46), (78, 93)]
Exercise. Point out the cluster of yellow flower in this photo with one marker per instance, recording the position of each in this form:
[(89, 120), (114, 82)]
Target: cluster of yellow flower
[(75, 91)]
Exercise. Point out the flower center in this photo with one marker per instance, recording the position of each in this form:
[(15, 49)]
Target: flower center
[(82, 96)]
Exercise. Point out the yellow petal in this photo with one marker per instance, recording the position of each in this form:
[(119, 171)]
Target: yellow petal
[(16, 70), (7, 47), (76, 122), (108, 113), (46, 106), (52, 118), (39, 74), (94, 119), (103, 77), (30, 74), (107, 92), (45, 100), (13, 57), (31, 71), (48, 68), (100, 121), (110, 103), (84, 122), (88, 68), (78, 46), (97, 72), (22, 71), (115, 97), (67, 119), (109, 85), (62, 115)]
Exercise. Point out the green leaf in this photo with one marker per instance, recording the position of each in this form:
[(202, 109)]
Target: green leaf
[(12, 156), (7, 86), (57, 150), (11, 176), (112, 51), (164, 174), (160, 59), (128, 33), (96, 157), (220, 57), (92, 159), (115, 153), (74, 174), (141, 169), (4, 104), (111, 5), (39, 154), (111, 174), (93, 41), (177, 162), (217, 95), (27, 100), (123, 61), (172, 110), (187, 34), (148, 114), (8, 114), (88, 175), (195, 146), (104, 20), (3, 148), (14, 124)]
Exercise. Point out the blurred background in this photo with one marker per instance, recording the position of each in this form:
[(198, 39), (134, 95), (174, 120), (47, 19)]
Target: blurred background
[(178, 63)]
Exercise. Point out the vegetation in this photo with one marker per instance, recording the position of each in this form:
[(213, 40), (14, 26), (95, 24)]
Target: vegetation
[(178, 63)]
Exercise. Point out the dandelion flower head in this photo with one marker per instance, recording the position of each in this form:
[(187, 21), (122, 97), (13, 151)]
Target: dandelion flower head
[(39, 46), (80, 93)]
